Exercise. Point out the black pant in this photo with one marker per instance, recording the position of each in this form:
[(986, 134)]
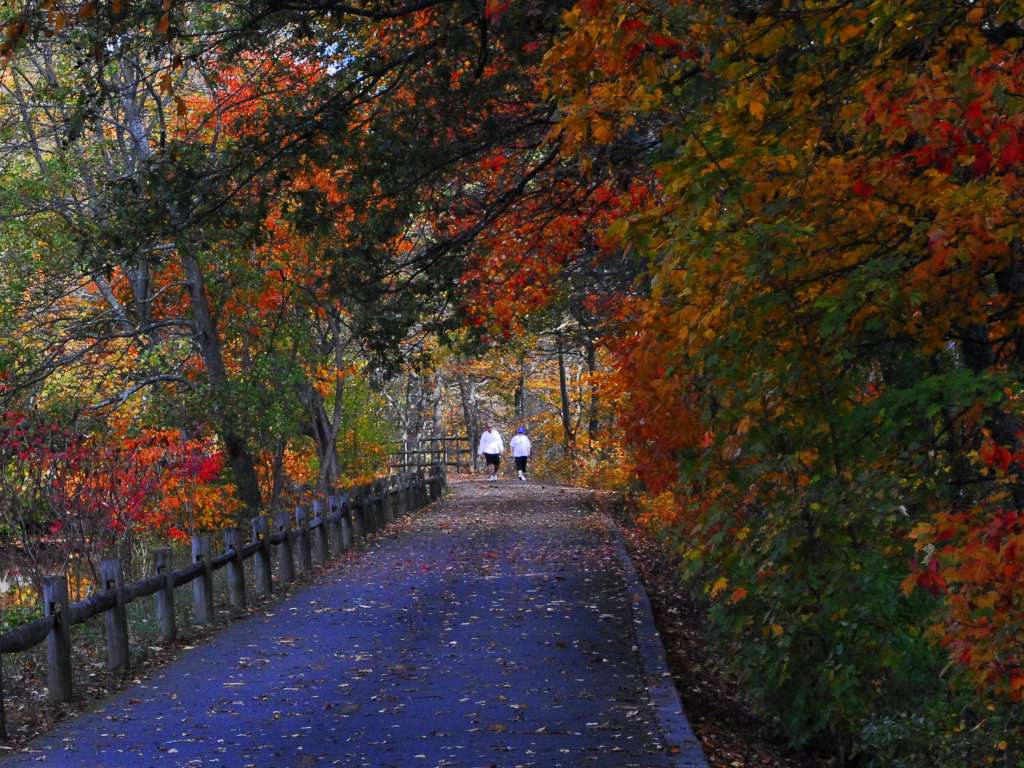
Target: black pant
[(521, 463), (492, 459)]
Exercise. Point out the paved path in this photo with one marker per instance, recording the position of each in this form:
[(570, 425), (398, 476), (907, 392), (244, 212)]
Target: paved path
[(501, 628)]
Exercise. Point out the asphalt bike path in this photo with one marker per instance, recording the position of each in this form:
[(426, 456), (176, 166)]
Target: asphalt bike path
[(501, 627)]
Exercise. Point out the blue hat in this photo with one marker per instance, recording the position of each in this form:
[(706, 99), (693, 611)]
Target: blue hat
[(521, 430)]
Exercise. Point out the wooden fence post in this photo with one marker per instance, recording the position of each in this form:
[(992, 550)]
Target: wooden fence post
[(165, 597), (58, 642), (407, 493), (116, 619), (361, 507), (285, 554), (382, 492), (373, 507), (438, 481), (337, 525), (377, 496), (345, 508), (396, 497), (390, 500), (302, 539), (202, 588), (236, 569), (264, 572), (320, 542), (355, 511), (3, 721)]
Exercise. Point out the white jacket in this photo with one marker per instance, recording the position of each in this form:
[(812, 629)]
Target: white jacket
[(490, 442), (520, 445)]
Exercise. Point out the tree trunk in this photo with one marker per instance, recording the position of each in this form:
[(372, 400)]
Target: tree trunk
[(437, 402), (592, 422), (563, 390), (413, 416), (277, 475), (325, 435), (521, 390), (470, 415), (243, 469)]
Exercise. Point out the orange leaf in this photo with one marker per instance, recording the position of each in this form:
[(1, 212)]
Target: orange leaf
[(737, 594)]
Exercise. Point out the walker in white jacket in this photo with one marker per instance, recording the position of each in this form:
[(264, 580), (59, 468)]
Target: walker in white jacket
[(520, 445), (491, 448)]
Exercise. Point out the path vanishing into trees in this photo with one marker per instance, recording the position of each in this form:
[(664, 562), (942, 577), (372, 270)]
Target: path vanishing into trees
[(501, 627)]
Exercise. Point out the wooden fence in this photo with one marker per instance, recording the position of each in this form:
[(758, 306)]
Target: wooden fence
[(450, 451), (349, 517)]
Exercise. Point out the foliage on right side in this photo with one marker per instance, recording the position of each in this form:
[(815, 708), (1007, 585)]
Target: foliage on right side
[(820, 380)]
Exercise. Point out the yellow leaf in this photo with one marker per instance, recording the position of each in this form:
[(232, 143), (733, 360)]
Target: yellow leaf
[(975, 17), (602, 131), (756, 109), (719, 586), (908, 584), (777, 630), (848, 33)]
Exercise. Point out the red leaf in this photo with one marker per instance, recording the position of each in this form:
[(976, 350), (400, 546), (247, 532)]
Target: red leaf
[(664, 41), (496, 9), (862, 188)]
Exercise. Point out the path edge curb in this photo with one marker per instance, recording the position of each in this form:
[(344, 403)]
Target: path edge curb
[(684, 747)]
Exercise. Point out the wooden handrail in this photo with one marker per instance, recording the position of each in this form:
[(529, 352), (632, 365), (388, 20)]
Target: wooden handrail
[(350, 515)]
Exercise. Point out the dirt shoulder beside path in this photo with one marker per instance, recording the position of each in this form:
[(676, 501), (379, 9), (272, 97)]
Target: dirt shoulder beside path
[(732, 735), (495, 630)]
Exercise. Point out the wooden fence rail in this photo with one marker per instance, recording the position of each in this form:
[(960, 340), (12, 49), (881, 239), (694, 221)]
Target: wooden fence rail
[(452, 451), (350, 515)]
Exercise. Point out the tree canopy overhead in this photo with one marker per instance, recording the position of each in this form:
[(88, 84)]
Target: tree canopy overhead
[(767, 253)]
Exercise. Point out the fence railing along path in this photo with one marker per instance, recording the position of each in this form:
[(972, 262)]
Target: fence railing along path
[(450, 451), (350, 516)]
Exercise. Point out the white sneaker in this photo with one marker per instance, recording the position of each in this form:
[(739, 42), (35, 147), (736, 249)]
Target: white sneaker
[(522, 476)]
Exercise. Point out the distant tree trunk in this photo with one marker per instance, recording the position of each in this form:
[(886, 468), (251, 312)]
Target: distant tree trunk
[(592, 421), (437, 401), (521, 390), (243, 468), (412, 417), (467, 396), (324, 431), (563, 390), (278, 475)]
